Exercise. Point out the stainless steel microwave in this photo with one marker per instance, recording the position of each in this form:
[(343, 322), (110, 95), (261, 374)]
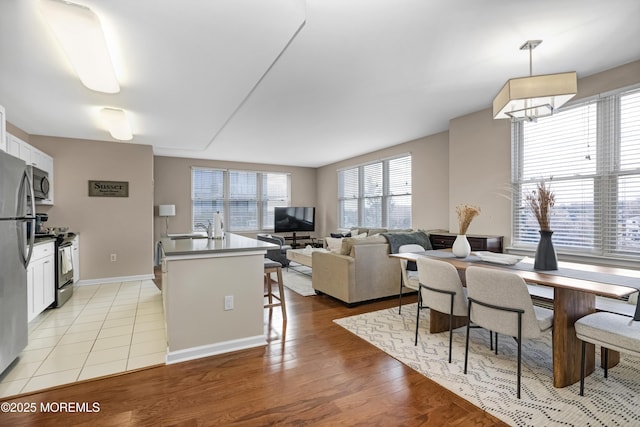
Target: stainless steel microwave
[(40, 181)]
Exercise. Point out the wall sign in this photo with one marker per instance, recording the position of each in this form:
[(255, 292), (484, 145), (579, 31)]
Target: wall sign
[(108, 188)]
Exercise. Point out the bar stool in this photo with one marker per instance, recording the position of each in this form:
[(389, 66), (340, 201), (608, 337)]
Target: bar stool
[(271, 266)]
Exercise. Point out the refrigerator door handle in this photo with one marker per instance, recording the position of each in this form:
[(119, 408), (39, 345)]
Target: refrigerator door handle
[(26, 179)]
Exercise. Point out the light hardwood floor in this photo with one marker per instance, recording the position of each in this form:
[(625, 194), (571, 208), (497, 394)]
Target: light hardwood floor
[(313, 372)]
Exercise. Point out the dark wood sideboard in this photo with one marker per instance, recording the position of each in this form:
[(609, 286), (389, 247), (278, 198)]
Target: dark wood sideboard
[(478, 242)]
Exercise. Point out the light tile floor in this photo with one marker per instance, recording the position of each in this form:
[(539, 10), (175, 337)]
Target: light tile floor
[(102, 330)]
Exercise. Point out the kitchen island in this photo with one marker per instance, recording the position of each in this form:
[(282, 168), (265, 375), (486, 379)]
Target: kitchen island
[(212, 294)]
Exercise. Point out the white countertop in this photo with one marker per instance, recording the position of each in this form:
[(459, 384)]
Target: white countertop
[(199, 246)]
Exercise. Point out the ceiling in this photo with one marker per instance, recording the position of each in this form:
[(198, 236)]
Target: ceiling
[(301, 83)]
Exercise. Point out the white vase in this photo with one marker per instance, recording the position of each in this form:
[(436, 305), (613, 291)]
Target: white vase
[(461, 247)]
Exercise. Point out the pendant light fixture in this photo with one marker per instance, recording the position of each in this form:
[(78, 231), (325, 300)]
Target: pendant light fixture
[(527, 98)]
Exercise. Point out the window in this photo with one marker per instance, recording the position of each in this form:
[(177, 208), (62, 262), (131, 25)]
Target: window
[(376, 195), (245, 198), (591, 153)]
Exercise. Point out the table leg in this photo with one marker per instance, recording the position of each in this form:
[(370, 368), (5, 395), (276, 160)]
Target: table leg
[(569, 306)]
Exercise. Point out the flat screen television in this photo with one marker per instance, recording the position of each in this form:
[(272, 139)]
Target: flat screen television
[(291, 219)]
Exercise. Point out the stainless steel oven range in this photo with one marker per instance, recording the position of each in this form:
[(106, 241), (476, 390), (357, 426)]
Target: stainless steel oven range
[(64, 268)]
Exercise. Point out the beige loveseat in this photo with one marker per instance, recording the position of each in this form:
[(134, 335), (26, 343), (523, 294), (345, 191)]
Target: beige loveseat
[(366, 273)]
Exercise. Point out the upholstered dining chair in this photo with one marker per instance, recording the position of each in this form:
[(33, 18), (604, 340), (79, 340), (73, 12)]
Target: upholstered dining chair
[(440, 285), (409, 271), (499, 301), (610, 331)]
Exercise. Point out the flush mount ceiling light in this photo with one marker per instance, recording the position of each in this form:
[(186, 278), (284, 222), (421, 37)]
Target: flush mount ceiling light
[(117, 123), (80, 34), (527, 98)]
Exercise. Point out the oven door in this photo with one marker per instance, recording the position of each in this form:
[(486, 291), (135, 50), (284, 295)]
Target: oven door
[(65, 264)]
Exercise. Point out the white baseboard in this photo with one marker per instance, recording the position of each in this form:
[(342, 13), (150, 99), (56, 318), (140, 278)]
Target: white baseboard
[(101, 281), (213, 349)]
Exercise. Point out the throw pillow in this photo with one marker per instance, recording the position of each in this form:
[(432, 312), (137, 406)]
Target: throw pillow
[(340, 235), (334, 244)]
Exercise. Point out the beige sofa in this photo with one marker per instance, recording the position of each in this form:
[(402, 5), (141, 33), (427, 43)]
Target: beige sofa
[(366, 273)]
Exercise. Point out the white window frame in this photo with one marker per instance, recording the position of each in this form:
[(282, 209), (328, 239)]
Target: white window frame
[(262, 201), (361, 197), (601, 235)]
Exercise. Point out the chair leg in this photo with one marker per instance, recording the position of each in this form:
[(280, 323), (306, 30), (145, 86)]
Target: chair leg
[(418, 315), (281, 291), (582, 367), (267, 284), (400, 298), (519, 350), (496, 349), (451, 327), (606, 361), (466, 344)]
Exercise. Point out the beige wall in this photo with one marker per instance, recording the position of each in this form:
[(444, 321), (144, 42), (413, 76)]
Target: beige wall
[(172, 177), (469, 164), (479, 172), (429, 175), (107, 225)]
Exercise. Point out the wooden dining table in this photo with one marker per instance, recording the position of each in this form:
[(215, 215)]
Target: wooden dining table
[(573, 298)]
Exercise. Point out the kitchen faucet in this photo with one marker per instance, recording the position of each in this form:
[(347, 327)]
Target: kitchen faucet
[(208, 227)]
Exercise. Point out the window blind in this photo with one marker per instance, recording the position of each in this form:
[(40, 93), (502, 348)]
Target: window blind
[(275, 193), (589, 153), (243, 201), (376, 195), (399, 193), (245, 198), (207, 195)]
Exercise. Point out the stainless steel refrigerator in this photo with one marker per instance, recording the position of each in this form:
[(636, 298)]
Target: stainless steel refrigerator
[(16, 247)]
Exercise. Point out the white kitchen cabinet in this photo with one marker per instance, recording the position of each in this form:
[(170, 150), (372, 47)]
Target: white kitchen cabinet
[(33, 157), (18, 148), (41, 279), (13, 145), (76, 258)]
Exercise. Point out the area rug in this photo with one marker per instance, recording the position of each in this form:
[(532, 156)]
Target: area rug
[(298, 280), (491, 380)]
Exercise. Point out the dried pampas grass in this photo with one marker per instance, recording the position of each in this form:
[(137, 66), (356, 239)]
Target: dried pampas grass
[(540, 201), (466, 213)]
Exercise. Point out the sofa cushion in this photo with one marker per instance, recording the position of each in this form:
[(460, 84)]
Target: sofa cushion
[(376, 231), (349, 242)]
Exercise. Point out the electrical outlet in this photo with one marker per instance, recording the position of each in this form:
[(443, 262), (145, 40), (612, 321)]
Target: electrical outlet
[(228, 302), (113, 258)]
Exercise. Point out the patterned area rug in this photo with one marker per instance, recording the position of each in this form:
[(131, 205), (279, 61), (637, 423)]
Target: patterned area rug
[(491, 380), (298, 280)]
